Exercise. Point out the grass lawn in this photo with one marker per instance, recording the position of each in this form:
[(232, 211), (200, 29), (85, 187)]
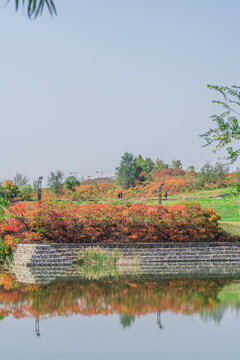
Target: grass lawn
[(232, 227), (227, 208)]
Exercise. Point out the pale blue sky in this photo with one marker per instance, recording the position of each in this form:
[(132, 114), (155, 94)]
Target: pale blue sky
[(105, 77)]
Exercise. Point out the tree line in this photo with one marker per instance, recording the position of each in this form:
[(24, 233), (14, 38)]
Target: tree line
[(130, 172), (20, 185), (133, 170)]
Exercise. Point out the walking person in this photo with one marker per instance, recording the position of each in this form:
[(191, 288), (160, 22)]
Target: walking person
[(166, 195)]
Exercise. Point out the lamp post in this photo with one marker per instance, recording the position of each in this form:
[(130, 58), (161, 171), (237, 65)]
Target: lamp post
[(40, 188), (160, 193)]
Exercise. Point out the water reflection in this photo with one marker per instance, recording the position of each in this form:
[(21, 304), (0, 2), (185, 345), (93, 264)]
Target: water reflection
[(128, 298), (159, 322), (37, 330)]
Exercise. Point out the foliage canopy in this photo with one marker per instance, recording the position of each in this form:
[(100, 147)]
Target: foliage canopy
[(128, 171), (55, 181), (227, 130), (71, 182)]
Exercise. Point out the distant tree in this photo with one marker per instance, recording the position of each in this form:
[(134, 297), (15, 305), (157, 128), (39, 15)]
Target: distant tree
[(161, 165), (36, 7), (128, 171), (21, 180), (144, 165), (35, 185), (140, 162), (235, 190), (212, 174), (71, 182), (149, 165), (55, 181), (227, 130), (191, 168), (176, 164)]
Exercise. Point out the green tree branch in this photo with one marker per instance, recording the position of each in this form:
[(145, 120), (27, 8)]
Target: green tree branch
[(35, 7), (228, 128)]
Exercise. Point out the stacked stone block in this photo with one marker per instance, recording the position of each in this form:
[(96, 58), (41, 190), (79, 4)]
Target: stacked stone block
[(67, 254)]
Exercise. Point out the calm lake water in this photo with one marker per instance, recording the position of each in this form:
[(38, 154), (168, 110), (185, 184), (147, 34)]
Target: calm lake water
[(138, 318)]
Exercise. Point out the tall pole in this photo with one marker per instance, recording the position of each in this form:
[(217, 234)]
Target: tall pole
[(160, 193), (40, 188)]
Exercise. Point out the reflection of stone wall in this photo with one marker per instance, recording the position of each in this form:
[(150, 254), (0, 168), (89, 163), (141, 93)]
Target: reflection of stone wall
[(167, 270), (67, 254), (44, 263)]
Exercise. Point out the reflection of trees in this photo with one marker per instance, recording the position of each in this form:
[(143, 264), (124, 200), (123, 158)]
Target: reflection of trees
[(126, 320), (215, 314), (133, 297)]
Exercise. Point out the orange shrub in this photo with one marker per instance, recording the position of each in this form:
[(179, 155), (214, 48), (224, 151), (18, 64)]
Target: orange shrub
[(109, 223)]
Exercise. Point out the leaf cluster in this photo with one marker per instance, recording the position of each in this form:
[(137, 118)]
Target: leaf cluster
[(36, 7), (227, 130)]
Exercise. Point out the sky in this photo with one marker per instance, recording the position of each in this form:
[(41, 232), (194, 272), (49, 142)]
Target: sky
[(104, 77)]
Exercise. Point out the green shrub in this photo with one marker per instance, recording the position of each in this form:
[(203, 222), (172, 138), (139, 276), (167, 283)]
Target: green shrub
[(4, 208), (10, 189), (96, 263), (25, 192), (97, 256), (5, 252)]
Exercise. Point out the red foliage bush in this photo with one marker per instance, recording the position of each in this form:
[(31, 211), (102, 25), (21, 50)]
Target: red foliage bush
[(108, 223)]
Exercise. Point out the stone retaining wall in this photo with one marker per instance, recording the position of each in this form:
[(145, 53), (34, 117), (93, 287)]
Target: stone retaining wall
[(67, 254)]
